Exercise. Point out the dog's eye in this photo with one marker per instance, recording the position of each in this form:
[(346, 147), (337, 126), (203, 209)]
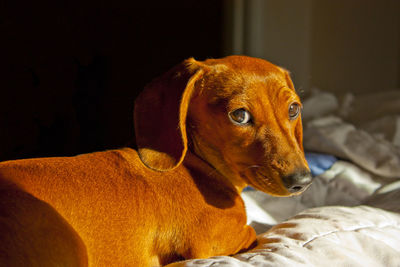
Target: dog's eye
[(240, 116), (294, 111)]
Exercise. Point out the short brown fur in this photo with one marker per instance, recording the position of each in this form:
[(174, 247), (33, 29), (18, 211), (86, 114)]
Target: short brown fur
[(178, 196)]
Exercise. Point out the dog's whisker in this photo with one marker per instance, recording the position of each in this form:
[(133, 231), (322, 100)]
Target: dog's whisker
[(212, 172), (253, 166)]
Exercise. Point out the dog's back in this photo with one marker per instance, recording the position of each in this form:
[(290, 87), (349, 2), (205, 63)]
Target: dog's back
[(89, 190), (88, 193)]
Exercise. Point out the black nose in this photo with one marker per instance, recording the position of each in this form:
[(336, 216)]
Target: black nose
[(297, 182)]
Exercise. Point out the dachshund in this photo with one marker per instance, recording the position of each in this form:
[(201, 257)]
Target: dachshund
[(204, 131)]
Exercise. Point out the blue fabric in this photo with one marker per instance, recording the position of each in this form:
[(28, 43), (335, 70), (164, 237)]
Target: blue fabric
[(319, 163), (248, 188)]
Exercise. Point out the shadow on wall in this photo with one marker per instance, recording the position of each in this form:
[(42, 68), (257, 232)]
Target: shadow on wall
[(72, 70)]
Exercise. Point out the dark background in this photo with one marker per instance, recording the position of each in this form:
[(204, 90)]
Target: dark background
[(72, 69)]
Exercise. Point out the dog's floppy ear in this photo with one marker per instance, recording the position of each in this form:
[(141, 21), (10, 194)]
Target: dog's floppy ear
[(160, 116), (287, 78)]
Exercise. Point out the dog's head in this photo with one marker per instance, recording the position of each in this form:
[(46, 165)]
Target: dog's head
[(241, 115)]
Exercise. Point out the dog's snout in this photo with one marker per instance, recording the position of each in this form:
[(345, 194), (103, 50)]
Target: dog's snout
[(297, 182)]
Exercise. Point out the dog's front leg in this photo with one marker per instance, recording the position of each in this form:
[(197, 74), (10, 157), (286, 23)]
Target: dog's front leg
[(225, 239), (251, 241), (227, 243)]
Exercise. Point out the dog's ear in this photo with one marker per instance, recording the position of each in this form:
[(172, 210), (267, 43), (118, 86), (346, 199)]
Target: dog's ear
[(287, 78), (160, 116)]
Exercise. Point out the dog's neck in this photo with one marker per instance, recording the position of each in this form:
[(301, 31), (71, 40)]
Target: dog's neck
[(194, 162)]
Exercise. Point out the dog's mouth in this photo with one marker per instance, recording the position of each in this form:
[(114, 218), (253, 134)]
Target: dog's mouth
[(269, 183)]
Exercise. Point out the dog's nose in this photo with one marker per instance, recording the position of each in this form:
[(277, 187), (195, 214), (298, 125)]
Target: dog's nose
[(297, 182)]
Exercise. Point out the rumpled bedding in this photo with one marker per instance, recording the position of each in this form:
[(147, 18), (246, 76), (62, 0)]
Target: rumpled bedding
[(350, 215)]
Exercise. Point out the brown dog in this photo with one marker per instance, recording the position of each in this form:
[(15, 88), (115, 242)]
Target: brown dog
[(204, 131)]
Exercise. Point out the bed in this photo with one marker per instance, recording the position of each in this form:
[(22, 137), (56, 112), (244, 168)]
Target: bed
[(350, 215)]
